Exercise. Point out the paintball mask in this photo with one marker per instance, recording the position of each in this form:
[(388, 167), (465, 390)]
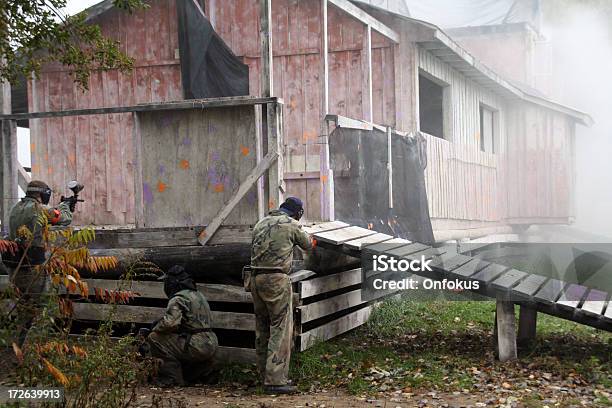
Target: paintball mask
[(175, 280), (293, 207), (39, 187)]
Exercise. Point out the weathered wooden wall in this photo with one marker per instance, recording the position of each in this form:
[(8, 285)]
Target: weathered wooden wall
[(97, 150), (464, 185), (193, 162), (296, 40), (540, 166)]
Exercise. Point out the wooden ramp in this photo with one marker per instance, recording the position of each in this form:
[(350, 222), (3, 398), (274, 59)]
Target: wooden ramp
[(534, 293)]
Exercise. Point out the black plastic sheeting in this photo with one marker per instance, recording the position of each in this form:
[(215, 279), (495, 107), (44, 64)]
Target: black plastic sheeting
[(209, 68), (361, 187)]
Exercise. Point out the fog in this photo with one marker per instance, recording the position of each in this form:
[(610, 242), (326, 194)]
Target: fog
[(582, 65)]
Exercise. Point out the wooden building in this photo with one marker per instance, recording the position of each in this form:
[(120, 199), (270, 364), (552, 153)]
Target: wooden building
[(499, 155)]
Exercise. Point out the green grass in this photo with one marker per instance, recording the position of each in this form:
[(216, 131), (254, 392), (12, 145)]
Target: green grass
[(447, 346)]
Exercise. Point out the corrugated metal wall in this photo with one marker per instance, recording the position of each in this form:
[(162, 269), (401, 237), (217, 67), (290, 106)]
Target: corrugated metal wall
[(97, 150)]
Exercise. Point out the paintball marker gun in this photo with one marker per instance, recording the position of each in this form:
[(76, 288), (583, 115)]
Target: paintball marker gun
[(76, 188)]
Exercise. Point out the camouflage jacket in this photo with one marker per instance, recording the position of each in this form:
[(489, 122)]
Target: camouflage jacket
[(27, 211), (273, 240), (187, 310)]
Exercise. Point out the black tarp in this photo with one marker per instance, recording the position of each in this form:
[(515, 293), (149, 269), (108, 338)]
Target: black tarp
[(209, 68), (361, 188)]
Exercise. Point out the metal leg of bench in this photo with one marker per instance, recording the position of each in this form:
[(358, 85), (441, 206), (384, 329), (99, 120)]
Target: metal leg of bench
[(506, 330), (527, 325)]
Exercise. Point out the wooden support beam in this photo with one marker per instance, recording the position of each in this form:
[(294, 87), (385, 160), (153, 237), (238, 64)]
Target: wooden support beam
[(527, 325), (207, 103), (259, 149), (326, 174), (138, 185), (390, 166), (365, 18), (23, 177), (9, 179), (367, 76), (265, 36), (273, 126), (506, 330), (208, 232)]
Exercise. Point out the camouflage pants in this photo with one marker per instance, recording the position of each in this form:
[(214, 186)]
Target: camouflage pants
[(194, 359), (31, 284), (272, 297)]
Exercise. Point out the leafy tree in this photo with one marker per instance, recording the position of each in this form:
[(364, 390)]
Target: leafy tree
[(36, 32)]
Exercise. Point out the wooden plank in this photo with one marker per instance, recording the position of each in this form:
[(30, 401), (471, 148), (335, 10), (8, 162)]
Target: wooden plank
[(138, 181), (265, 36), (470, 268), (329, 283), (325, 226), (334, 328), (489, 273), (149, 107), (594, 303), (367, 240), (427, 253), (146, 314), (366, 18), (450, 262), (529, 286), (387, 245), (340, 236), (244, 188), (407, 249), (549, 292), (608, 314), (572, 296), (528, 318), (300, 275), (23, 176), (155, 290), (330, 306), (239, 355), (508, 279)]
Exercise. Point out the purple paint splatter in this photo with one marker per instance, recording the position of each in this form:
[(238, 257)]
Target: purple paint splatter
[(147, 193), (186, 141), (161, 169)]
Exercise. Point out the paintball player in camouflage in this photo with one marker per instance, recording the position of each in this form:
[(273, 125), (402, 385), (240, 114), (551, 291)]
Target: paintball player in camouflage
[(182, 338), (271, 256), (29, 212)]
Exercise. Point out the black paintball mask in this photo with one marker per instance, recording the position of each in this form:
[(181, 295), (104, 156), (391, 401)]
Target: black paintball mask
[(293, 207), (39, 187), (175, 280)]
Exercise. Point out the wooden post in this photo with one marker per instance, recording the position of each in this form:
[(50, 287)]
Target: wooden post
[(265, 35), (390, 166), (367, 77), (527, 325), (272, 112), (8, 154), (139, 210), (506, 330), (259, 149), (326, 175)]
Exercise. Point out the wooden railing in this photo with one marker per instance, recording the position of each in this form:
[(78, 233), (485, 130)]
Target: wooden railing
[(463, 183)]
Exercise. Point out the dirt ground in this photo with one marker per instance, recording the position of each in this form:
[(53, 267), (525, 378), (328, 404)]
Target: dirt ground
[(218, 397)]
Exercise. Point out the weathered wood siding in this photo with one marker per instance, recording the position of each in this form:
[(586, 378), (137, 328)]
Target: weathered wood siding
[(97, 150), (296, 41), (540, 165), (464, 183)]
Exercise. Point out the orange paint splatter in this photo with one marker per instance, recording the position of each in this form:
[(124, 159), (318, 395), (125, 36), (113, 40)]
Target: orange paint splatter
[(161, 187), (244, 150), (324, 178), (308, 135), (271, 204), (184, 164), (46, 157), (219, 188), (32, 146), (35, 168), (50, 170), (72, 158)]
